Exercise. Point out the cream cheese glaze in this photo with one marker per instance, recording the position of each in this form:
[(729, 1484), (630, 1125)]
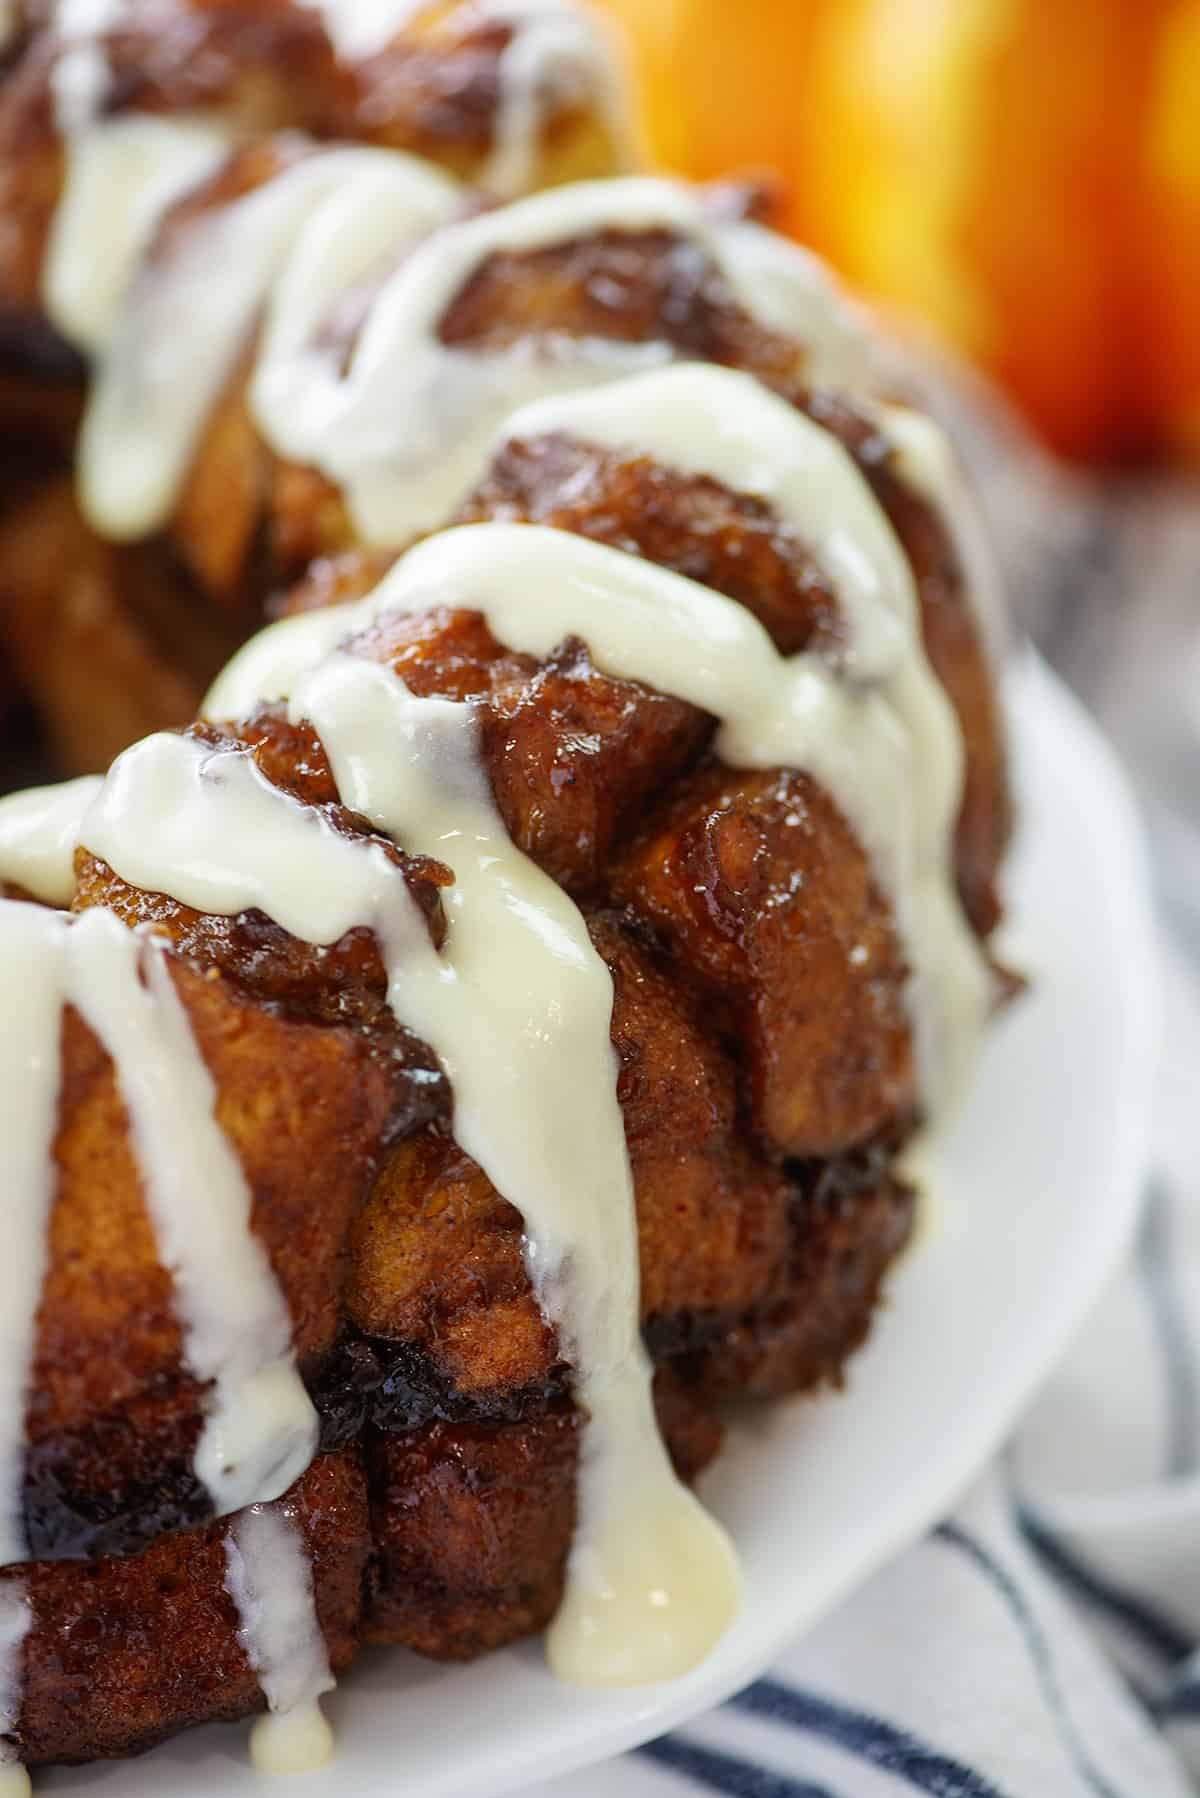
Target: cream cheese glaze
[(177, 341), (886, 745), (926, 461), (517, 1007), (125, 170), (404, 430), (874, 728), (39, 834), (557, 54), (269, 1577), (260, 1428), (81, 78)]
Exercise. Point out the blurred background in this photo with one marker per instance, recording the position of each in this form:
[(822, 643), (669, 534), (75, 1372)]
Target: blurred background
[(1020, 180), (1023, 175)]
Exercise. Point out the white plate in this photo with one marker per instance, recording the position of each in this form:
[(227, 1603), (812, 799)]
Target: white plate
[(1038, 1191)]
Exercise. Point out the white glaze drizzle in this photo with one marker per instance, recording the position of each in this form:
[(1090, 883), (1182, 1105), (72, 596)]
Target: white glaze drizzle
[(260, 1429), (217, 844), (405, 432), (358, 29), (517, 1007), (81, 77), (702, 420), (39, 833), (32, 992), (179, 336), (406, 428), (885, 746), (926, 460), (556, 57), (16, 1620), (269, 1577), (124, 171)]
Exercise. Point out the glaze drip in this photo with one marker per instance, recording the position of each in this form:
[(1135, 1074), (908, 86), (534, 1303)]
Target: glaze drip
[(81, 79), (32, 992), (39, 833), (126, 170), (269, 1577), (404, 430), (177, 341), (879, 736), (260, 1429), (517, 1007)]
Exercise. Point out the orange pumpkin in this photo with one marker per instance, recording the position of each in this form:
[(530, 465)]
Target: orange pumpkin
[(1025, 174)]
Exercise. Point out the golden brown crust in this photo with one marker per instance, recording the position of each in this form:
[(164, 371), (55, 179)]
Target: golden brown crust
[(473, 1523), (113, 1419), (472, 1527), (850, 1219), (769, 906), (268, 66), (764, 1050), (634, 288), (110, 643), (758, 1014), (731, 542), (123, 1652)]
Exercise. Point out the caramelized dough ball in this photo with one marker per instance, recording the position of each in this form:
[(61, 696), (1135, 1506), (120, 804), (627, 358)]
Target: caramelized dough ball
[(687, 523), (437, 1253), (110, 642), (573, 755), (123, 1652), (850, 1219), (472, 1525), (767, 902), (437, 1261)]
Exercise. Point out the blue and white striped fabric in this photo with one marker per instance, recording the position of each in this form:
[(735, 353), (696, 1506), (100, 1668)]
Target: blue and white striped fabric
[(1044, 1642)]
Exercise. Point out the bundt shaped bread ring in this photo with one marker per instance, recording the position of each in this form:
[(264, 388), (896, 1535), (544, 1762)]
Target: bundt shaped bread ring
[(631, 668), (767, 1080)]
